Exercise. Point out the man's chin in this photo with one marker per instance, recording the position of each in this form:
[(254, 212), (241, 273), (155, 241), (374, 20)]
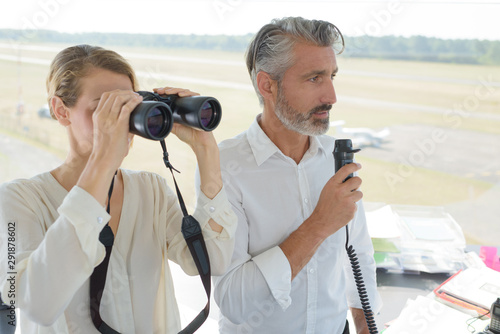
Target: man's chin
[(320, 127), (314, 132)]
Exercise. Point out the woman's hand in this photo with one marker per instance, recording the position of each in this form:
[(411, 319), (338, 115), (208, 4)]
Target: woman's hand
[(111, 126), (111, 141)]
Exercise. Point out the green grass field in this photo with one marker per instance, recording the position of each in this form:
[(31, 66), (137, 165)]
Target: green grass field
[(443, 86)]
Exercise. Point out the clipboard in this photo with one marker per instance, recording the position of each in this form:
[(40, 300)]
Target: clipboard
[(472, 288)]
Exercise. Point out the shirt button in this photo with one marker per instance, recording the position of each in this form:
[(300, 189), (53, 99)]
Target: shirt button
[(211, 209), (311, 271), (100, 220), (306, 200)]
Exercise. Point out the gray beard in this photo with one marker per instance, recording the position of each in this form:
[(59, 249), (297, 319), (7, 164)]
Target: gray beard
[(298, 122)]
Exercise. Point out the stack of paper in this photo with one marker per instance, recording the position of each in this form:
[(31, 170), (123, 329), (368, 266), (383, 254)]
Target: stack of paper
[(416, 238), (425, 315), (383, 228)]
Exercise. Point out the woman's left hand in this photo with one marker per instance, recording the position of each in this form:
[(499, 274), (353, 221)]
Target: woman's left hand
[(197, 139)]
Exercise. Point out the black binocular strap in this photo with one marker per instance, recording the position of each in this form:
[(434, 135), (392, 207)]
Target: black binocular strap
[(191, 230), (98, 277)]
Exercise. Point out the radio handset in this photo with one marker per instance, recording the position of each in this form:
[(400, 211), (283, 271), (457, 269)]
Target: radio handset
[(494, 326), (343, 154)]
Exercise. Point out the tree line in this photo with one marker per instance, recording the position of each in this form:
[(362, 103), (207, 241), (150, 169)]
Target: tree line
[(416, 48)]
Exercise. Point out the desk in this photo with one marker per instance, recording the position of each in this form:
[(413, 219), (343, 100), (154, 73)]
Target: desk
[(396, 289)]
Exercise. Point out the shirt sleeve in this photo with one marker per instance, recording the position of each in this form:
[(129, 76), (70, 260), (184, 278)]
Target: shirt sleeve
[(361, 243), (252, 283), (50, 264), (275, 267), (219, 245)]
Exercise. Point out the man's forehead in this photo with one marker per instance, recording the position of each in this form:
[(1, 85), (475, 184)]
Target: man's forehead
[(311, 57)]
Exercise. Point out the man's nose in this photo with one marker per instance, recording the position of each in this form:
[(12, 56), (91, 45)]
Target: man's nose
[(329, 95)]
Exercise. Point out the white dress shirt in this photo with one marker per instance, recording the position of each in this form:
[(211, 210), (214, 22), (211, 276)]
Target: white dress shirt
[(57, 248), (272, 195)]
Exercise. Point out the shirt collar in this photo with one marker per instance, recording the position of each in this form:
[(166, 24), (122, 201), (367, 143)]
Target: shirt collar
[(315, 146), (263, 148)]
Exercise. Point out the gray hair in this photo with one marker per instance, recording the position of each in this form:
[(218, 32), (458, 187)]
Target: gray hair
[(271, 50)]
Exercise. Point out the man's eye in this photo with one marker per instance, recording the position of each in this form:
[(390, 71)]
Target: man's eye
[(313, 79)]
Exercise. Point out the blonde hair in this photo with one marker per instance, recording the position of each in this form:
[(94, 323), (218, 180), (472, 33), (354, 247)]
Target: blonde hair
[(74, 63)]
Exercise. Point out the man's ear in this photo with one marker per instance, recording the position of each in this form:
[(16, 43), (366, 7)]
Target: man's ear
[(60, 110), (268, 87)]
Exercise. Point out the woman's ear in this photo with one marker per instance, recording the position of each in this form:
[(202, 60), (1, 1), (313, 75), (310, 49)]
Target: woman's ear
[(60, 110), (268, 87)]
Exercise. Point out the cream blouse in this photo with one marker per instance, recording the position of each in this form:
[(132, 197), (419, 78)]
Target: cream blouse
[(57, 247)]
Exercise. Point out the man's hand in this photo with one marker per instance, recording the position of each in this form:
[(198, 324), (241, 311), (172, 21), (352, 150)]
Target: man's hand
[(359, 321), (337, 202), (335, 208)]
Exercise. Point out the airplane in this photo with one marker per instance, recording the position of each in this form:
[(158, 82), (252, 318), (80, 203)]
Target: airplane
[(361, 137)]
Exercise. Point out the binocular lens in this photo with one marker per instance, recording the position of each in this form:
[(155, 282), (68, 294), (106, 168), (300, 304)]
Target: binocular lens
[(155, 121), (151, 120), (207, 114)]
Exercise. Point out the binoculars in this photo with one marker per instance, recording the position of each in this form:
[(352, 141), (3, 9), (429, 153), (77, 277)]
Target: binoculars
[(154, 117)]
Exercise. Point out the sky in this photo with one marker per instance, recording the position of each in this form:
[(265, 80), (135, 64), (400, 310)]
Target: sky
[(455, 19)]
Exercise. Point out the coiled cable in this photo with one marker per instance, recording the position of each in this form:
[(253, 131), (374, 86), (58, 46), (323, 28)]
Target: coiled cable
[(360, 285)]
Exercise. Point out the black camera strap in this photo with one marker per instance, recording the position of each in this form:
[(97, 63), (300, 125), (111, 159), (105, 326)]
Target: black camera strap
[(191, 230), (98, 277)]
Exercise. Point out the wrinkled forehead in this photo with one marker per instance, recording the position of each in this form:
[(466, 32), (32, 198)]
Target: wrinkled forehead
[(311, 58)]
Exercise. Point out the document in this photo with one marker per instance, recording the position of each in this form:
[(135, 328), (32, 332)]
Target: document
[(383, 223), (427, 316)]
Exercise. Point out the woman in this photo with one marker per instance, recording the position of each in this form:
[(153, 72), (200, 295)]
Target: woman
[(56, 217)]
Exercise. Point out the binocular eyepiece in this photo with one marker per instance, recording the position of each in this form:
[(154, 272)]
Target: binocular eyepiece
[(154, 117)]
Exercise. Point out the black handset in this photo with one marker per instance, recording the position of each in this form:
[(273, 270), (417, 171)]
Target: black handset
[(7, 318), (495, 317), (343, 154)]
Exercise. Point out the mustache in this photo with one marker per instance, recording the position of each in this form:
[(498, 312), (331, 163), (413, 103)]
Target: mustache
[(323, 107)]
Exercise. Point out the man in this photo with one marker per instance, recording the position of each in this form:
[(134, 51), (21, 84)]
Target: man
[(290, 272)]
